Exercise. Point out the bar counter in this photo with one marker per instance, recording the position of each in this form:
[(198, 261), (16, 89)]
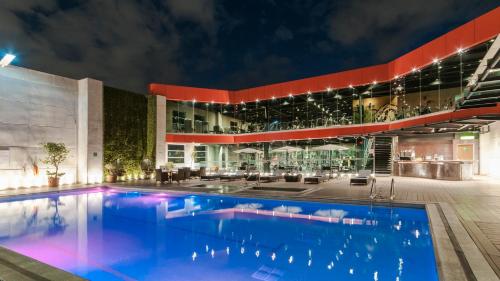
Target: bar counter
[(440, 170)]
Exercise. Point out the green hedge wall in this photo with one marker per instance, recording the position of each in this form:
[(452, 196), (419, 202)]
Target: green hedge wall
[(126, 129)]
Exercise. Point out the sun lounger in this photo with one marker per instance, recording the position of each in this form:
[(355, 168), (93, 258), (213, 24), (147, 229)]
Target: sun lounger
[(364, 177)]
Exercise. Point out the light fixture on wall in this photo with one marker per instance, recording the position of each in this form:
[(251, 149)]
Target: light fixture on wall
[(7, 59)]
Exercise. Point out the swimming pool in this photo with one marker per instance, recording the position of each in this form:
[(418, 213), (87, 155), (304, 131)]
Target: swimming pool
[(104, 234)]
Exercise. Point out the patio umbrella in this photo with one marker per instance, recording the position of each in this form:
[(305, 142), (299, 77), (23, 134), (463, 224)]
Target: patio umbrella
[(287, 149), (248, 150), (329, 147)]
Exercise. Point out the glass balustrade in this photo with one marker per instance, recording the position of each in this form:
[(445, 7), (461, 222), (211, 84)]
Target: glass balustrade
[(434, 88)]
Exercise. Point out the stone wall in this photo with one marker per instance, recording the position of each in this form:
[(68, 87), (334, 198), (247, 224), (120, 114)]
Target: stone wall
[(37, 107)]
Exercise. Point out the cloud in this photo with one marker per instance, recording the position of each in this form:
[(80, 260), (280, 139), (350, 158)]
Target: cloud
[(209, 43), (202, 11), (284, 34), (257, 71), (392, 27), (127, 44)]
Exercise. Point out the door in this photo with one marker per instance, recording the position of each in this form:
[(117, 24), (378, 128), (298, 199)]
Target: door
[(465, 152)]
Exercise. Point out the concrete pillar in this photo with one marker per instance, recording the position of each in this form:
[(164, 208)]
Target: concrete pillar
[(90, 131), (161, 125), (218, 120), (489, 151)]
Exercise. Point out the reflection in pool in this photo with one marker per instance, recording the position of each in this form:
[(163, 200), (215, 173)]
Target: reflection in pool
[(111, 235)]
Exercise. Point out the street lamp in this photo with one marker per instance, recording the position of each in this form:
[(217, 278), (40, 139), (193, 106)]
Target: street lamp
[(7, 59)]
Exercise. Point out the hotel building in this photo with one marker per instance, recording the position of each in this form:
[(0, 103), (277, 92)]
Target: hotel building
[(431, 112)]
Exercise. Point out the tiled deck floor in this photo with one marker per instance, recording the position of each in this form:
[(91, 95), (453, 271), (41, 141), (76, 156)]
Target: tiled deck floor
[(476, 202)]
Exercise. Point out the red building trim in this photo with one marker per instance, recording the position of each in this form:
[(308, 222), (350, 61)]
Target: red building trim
[(341, 131), (468, 35)]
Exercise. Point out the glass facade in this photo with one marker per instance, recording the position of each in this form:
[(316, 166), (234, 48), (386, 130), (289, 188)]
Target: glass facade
[(434, 88)]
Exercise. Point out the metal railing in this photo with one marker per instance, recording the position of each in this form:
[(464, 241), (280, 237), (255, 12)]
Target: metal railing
[(376, 195), (392, 193), (373, 189)]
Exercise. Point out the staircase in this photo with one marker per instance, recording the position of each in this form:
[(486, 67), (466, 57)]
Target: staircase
[(483, 88), (383, 155), (367, 146)]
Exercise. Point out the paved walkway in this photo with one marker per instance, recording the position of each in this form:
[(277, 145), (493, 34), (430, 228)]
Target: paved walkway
[(476, 202)]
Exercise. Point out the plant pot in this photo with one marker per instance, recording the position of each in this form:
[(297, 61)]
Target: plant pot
[(111, 178), (53, 182)]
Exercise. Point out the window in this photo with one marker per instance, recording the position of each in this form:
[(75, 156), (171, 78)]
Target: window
[(175, 153), (200, 154), (178, 118), (233, 125)]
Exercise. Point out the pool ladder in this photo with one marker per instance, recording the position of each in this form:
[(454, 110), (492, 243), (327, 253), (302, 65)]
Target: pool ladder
[(392, 193), (373, 190), (377, 195)]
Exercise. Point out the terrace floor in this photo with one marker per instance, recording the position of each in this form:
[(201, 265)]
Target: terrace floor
[(476, 202)]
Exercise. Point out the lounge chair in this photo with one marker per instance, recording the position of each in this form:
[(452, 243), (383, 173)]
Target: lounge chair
[(208, 176), (318, 178), (233, 176), (252, 176), (364, 177), (270, 178), (293, 177)]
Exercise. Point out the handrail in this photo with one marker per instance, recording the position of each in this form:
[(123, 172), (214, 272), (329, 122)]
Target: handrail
[(393, 190), (373, 189)]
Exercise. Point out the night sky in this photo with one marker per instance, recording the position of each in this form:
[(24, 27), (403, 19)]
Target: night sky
[(228, 44)]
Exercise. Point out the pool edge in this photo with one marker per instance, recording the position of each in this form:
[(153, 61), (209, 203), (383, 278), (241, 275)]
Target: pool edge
[(16, 266), (446, 246)]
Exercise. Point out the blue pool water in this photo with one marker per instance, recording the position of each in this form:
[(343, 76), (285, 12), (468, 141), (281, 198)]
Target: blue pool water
[(112, 235)]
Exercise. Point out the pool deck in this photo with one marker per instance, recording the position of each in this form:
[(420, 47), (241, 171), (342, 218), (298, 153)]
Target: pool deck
[(471, 209)]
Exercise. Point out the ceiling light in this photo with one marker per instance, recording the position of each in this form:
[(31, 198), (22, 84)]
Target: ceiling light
[(7, 59), (435, 61)]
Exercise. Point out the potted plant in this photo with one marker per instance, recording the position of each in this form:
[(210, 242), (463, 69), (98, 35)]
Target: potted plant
[(147, 168), (113, 171), (56, 154)]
